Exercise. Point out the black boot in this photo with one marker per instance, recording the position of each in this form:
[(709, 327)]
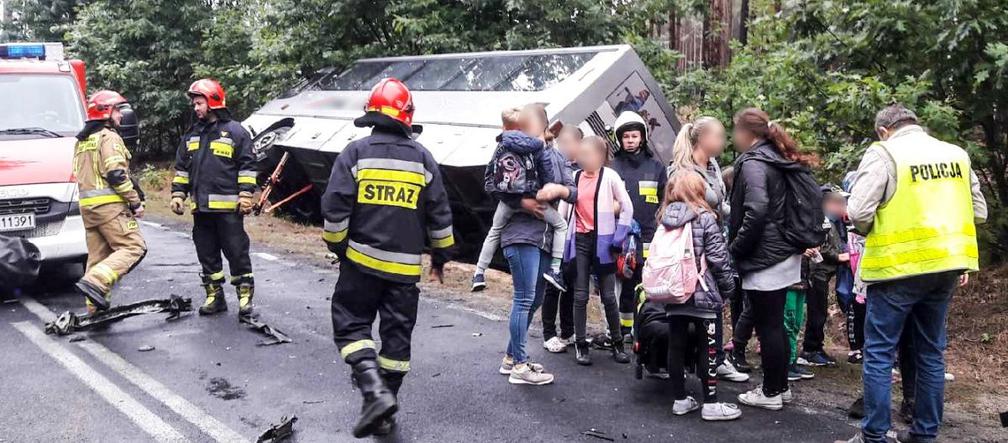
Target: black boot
[(215, 302), (394, 381), (856, 410), (379, 402), (618, 353), (93, 295), (738, 359), (906, 411), (582, 353)]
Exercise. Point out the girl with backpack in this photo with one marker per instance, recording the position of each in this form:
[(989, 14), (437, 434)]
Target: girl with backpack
[(595, 232), (689, 270), (765, 241)]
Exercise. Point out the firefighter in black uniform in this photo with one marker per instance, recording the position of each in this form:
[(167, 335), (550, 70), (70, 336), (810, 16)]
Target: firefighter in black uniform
[(215, 166), (384, 202), (645, 181)]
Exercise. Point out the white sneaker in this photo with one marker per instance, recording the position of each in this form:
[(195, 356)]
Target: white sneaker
[(949, 376), (524, 374), (786, 396), (720, 411), (507, 365), (726, 371), (756, 398), (685, 406), (556, 345)]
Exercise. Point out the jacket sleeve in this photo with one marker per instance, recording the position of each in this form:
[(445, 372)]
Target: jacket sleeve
[(567, 177), (180, 183), (246, 160), (831, 247), (626, 211), (338, 201), (979, 202), (115, 168), (755, 205), (439, 217), (546, 171), (871, 182), (716, 253)]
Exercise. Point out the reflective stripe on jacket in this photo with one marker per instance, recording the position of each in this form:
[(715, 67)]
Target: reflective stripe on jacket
[(927, 227), (214, 164), (384, 202), (101, 167)]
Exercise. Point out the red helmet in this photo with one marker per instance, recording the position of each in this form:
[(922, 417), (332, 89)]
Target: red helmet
[(210, 89), (392, 98), (100, 104)]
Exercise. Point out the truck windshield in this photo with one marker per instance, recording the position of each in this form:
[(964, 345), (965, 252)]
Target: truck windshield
[(37, 105), (517, 72)]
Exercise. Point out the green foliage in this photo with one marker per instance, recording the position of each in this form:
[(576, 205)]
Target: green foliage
[(824, 68), (39, 20)]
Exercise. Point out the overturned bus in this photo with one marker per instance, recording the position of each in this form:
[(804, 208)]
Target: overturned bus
[(459, 99)]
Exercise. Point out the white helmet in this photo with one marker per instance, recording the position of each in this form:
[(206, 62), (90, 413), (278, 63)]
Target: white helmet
[(631, 121)]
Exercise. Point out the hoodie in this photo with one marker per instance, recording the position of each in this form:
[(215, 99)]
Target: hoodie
[(757, 209), (709, 244), (643, 175)]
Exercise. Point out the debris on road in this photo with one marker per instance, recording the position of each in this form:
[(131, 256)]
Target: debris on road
[(69, 322), (313, 402), (145, 348), (598, 434), (477, 334), (258, 326), (1004, 419), (77, 338), (279, 432), (447, 325), (221, 388)]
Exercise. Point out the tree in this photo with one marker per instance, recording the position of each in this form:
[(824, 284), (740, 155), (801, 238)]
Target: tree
[(39, 20)]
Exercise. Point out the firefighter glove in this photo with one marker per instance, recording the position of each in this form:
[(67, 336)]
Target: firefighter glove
[(178, 203), (245, 203)]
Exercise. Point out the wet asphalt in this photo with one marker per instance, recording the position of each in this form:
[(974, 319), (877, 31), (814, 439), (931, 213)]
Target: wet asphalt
[(213, 371)]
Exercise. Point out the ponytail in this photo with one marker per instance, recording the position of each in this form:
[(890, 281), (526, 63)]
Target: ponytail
[(682, 150), (758, 123)]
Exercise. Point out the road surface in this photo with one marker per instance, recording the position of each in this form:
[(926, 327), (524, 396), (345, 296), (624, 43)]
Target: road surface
[(207, 380)]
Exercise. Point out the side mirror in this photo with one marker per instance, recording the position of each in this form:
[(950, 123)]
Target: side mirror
[(129, 127)]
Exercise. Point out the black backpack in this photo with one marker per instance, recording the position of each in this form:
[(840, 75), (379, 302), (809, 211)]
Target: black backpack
[(803, 225)]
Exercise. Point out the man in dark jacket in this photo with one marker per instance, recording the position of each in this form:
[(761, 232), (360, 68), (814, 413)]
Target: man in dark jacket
[(215, 166), (385, 201), (645, 179)]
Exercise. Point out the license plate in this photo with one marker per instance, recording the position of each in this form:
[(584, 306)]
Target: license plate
[(17, 222)]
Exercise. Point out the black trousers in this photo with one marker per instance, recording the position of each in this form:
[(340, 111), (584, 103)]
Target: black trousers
[(768, 316), (698, 348), (744, 323), (585, 263), (817, 306), (855, 325), (555, 301), (628, 297), (216, 232), (360, 297)]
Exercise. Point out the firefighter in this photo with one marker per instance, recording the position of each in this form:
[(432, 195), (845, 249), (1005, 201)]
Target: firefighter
[(645, 179), (109, 201), (384, 201), (215, 167)]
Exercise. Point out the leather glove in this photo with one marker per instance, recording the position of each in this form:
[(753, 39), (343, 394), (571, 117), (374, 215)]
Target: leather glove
[(177, 204), (245, 203)]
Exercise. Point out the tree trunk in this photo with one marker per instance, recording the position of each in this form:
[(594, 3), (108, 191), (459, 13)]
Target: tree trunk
[(744, 23), (715, 45)]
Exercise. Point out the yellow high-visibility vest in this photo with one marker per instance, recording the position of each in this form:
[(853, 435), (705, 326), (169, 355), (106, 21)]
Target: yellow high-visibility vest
[(927, 226)]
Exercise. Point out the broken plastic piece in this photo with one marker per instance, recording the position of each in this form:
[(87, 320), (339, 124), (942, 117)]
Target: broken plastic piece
[(256, 325), (279, 432), (446, 325), (145, 348), (69, 322), (598, 434)]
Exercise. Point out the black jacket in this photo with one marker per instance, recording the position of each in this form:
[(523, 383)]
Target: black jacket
[(757, 210), (215, 163), (645, 181), (384, 202)]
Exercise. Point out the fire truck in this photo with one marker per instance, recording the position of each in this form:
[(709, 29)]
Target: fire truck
[(44, 108)]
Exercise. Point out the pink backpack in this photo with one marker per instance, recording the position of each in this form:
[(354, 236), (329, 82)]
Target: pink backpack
[(670, 273)]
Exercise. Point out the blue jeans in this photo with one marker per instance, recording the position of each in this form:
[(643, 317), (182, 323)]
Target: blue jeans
[(920, 304), (527, 263)]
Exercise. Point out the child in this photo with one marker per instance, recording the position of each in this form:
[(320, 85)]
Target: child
[(520, 166), (820, 273), (814, 259), (594, 232), (684, 203), (568, 142)]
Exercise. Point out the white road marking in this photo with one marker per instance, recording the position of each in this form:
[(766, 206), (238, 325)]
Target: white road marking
[(156, 225), (141, 416), (193, 414), (206, 423), (266, 256)]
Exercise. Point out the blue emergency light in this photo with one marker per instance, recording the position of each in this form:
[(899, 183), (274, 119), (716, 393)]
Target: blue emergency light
[(17, 51)]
